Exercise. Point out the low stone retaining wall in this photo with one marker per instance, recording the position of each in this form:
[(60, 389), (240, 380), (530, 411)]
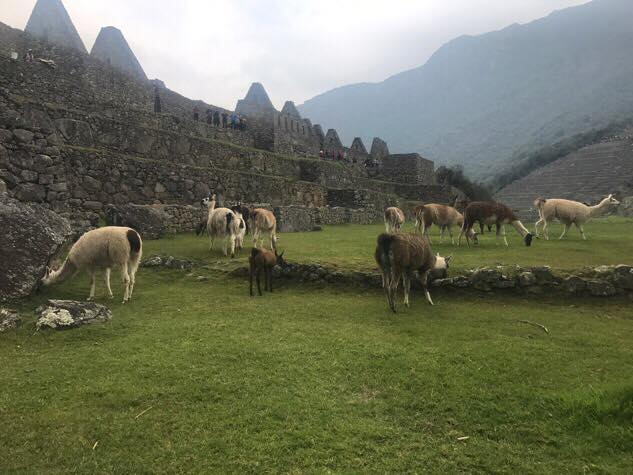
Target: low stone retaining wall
[(603, 281)]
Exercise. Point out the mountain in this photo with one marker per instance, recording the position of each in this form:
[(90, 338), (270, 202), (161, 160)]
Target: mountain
[(479, 100)]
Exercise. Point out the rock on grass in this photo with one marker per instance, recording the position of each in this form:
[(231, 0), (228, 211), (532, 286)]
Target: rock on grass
[(65, 314)]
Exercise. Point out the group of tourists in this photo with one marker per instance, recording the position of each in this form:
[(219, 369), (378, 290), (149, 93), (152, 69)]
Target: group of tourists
[(223, 119), (333, 155)]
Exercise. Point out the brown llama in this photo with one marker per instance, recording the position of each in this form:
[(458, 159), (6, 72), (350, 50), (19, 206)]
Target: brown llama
[(399, 256), (489, 213), (263, 260), (394, 219)]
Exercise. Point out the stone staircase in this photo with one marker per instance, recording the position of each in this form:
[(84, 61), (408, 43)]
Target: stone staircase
[(587, 175)]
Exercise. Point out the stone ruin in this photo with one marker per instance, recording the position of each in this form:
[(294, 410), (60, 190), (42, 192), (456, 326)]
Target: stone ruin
[(82, 136), (112, 48), (50, 21)]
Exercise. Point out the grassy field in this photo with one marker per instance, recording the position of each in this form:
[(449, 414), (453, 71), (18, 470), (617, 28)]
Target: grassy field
[(197, 377), (352, 247)]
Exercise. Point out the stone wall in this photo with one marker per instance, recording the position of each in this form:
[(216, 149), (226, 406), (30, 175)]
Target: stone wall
[(83, 135), (408, 168)]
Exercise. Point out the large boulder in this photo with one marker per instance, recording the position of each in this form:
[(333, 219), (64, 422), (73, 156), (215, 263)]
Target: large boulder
[(151, 223), (31, 237), (9, 320), (65, 314)]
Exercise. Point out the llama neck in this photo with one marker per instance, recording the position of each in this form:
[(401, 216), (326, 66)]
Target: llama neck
[(598, 209), (211, 205), (518, 225), (67, 270)]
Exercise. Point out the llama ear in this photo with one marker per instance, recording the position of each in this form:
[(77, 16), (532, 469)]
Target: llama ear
[(447, 259)]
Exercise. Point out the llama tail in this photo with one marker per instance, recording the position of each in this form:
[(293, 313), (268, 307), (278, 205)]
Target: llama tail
[(384, 252), (229, 219), (135, 242)]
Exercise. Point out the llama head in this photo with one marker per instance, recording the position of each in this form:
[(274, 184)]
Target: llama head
[(442, 263), (280, 258), (48, 276), (612, 200)]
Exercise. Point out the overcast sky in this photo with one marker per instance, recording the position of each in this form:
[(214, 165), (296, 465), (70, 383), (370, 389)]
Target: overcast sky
[(213, 50)]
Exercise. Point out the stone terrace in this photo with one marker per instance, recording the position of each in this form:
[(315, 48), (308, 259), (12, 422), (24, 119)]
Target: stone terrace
[(83, 134), (587, 175)]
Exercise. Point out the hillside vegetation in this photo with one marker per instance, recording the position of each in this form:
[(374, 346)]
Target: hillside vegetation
[(478, 100)]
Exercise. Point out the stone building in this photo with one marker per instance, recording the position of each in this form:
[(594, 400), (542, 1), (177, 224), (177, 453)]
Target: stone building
[(50, 22), (112, 48)]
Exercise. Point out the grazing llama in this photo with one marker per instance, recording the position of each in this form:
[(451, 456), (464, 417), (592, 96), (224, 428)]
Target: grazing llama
[(492, 212), (222, 224), (399, 256), (445, 217), (394, 219), (263, 260), (569, 212), (263, 221), (102, 248)]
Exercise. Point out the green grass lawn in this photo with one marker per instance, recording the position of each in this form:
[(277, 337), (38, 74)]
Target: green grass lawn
[(198, 377), (352, 247)]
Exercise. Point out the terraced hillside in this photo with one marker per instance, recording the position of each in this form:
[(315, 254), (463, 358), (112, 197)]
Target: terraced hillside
[(81, 135), (586, 175)]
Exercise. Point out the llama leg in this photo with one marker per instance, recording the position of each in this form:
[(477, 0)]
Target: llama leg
[(442, 230), (582, 231), (93, 283), (450, 233), (270, 280), (498, 233), (126, 282), (545, 230), (538, 223), (107, 282), (425, 232), (232, 245), (424, 281), (567, 225), (273, 240), (133, 269), (393, 290), (259, 287), (503, 232), (250, 280), (406, 284)]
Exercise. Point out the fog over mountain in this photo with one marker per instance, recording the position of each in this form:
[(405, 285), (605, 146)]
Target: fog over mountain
[(479, 100)]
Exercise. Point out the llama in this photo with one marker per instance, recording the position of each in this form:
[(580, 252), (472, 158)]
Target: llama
[(492, 212), (263, 260), (221, 224), (443, 216), (399, 256), (107, 247), (394, 219), (245, 212), (263, 221), (569, 212), (241, 231)]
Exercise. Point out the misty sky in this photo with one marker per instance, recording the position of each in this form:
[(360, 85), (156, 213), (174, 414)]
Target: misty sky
[(213, 50)]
